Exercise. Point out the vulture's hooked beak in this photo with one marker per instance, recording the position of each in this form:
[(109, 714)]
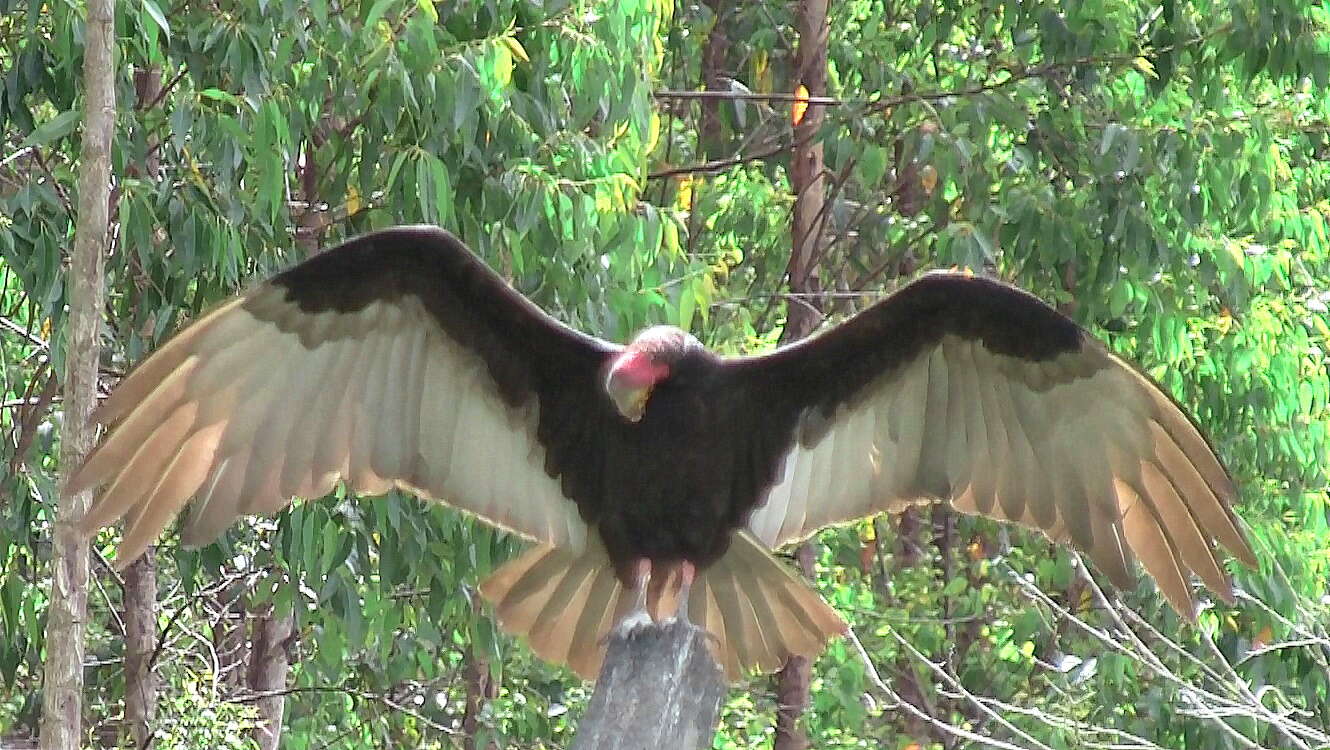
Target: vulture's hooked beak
[(629, 383), (630, 401)]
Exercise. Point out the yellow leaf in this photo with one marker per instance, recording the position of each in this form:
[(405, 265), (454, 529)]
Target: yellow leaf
[(1319, 323), (653, 133), (867, 531), (761, 72), (427, 6), (928, 179), (1281, 167), (352, 201), (1146, 67), (683, 200), (516, 48), (800, 107)]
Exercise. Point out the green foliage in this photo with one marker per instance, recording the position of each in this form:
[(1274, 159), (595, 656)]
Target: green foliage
[(191, 721), (1159, 170)]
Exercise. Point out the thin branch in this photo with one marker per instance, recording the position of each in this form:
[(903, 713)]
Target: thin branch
[(166, 90), (25, 427), (956, 685), (352, 692), (58, 187), (719, 164), (825, 101), (23, 331), (1212, 705), (16, 155), (898, 702)]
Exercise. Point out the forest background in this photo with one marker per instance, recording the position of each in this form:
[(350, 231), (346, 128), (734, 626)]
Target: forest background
[(1159, 170)]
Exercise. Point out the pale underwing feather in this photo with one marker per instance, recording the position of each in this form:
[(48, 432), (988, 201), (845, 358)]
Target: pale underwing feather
[(1057, 445), (248, 411)]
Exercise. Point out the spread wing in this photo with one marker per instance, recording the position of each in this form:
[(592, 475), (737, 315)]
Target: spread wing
[(970, 391), (395, 360)]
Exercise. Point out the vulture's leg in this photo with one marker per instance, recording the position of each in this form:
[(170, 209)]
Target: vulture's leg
[(687, 573), (639, 615), (642, 577)]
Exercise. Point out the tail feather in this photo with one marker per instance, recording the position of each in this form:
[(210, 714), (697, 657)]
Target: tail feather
[(566, 602)]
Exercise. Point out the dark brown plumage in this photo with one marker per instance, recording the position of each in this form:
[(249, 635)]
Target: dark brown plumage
[(400, 359)]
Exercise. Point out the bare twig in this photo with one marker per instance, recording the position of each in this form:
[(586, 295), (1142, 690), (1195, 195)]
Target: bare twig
[(24, 332), (720, 164), (900, 703), (825, 101), (352, 692)]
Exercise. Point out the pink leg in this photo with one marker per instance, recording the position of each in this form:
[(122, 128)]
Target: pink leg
[(641, 575), (687, 574)]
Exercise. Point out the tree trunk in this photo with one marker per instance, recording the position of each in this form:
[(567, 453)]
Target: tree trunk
[(229, 638), (659, 688), (480, 689), (268, 665), (140, 593), (807, 178), (711, 134), (804, 309), (140, 643), (62, 691)]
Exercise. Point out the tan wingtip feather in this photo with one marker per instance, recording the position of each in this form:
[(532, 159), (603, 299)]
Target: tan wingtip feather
[(144, 379), (1170, 422), (1154, 550)]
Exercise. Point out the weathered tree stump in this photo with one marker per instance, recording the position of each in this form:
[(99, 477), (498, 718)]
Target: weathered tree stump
[(659, 688)]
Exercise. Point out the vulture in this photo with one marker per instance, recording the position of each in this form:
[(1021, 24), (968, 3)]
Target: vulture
[(657, 477)]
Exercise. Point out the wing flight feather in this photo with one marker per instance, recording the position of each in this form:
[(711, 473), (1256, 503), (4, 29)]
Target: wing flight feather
[(282, 393), (933, 394)]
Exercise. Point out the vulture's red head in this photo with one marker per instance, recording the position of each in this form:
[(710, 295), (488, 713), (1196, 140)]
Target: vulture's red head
[(648, 360)]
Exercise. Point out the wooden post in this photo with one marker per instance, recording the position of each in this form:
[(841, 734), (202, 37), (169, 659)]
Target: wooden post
[(659, 688)]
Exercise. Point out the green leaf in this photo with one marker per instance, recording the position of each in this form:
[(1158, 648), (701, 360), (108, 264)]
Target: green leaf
[(1119, 297), (220, 96), (872, 165), (687, 305), (52, 130), (503, 64), (376, 12), (1111, 133), (158, 17), (397, 167), (424, 191), (443, 191)]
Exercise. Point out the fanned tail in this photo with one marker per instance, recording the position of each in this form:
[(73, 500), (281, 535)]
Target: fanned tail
[(564, 604)]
